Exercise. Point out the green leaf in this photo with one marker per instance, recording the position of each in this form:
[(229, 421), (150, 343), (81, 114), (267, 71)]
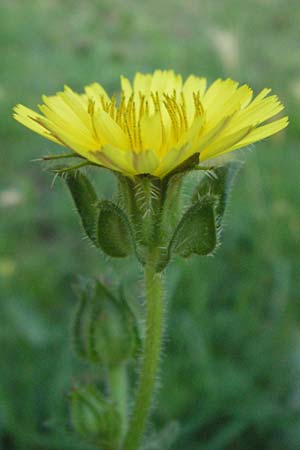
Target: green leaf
[(218, 184), (85, 199), (196, 232), (114, 231)]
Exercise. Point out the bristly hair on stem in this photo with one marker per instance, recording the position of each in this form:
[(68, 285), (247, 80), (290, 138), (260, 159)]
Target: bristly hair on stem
[(150, 358)]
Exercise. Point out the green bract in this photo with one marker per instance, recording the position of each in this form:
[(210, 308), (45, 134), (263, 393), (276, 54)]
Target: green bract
[(196, 231), (147, 214), (218, 185), (114, 231), (85, 199)]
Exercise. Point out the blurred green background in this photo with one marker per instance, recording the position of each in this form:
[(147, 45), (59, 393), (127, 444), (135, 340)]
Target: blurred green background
[(231, 371)]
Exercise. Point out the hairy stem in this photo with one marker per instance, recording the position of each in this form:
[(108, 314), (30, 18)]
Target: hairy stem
[(150, 358)]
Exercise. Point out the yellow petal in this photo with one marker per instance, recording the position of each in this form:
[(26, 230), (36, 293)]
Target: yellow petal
[(77, 104), (206, 138), (151, 132), (165, 81), (183, 150), (245, 95), (192, 133), (227, 105), (142, 83), (95, 91), (70, 139), (145, 161), (80, 133), (63, 110), (218, 93), (192, 85), (172, 159), (256, 113), (109, 131), (31, 120), (263, 132), (223, 145), (115, 159), (263, 93), (126, 87)]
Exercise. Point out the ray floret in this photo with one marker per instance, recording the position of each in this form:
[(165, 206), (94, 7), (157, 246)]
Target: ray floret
[(157, 123)]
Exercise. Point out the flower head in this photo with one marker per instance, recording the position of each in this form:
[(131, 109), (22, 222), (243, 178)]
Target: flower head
[(157, 123)]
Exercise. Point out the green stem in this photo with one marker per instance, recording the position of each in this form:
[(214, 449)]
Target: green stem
[(152, 346), (119, 391)]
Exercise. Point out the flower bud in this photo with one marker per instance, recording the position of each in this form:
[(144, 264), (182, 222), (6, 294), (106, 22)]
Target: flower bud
[(105, 329), (94, 417)]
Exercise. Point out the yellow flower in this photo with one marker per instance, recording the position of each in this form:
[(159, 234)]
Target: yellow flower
[(157, 123)]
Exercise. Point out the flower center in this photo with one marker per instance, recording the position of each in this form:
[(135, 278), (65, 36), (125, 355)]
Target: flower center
[(167, 111)]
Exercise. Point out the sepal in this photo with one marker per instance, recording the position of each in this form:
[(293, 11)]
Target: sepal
[(94, 417), (169, 213), (196, 232), (218, 184), (114, 231), (171, 200), (85, 199)]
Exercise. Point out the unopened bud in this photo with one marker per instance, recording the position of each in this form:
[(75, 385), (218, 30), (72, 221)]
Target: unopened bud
[(105, 329), (94, 417)]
